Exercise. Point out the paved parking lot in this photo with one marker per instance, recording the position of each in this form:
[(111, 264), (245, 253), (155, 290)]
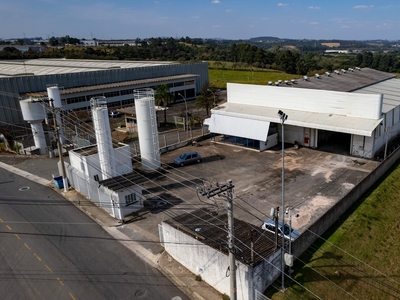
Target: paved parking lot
[(314, 181)]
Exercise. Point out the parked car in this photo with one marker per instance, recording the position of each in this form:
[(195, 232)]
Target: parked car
[(289, 233), (114, 114), (187, 158)]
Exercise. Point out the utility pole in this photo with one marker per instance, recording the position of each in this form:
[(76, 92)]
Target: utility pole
[(231, 236), (59, 146)]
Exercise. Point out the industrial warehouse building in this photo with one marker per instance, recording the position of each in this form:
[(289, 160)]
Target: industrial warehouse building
[(81, 80), (357, 109)]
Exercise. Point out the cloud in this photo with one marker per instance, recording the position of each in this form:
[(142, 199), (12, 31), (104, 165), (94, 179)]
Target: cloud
[(362, 6), (216, 26), (215, 2), (345, 26), (283, 4), (195, 17), (228, 11), (314, 7), (313, 23)]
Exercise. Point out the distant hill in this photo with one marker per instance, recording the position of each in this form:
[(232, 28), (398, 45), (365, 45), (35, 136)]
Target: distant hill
[(264, 39)]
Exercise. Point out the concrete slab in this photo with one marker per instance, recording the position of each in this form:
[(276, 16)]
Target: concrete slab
[(314, 181)]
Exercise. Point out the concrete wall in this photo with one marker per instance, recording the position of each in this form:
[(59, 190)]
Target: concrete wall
[(124, 209), (123, 160), (357, 105), (212, 265), (203, 260), (272, 140), (302, 243), (362, 146)]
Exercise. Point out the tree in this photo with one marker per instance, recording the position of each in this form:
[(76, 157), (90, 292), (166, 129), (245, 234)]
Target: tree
[(205, 99), (53, 41), (163, 98)]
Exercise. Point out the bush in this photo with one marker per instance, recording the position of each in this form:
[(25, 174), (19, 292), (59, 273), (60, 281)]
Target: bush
[(225, 297), (198, 278)]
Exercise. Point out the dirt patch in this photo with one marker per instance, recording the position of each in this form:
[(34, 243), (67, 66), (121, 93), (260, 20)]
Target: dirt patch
[(331, 45)]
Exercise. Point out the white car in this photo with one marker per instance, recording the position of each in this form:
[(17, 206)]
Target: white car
[(288, 233), (114, 114)]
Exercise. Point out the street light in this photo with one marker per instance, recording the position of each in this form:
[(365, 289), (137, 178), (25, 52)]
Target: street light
[(283, 118), (186, 111), (215, 104)]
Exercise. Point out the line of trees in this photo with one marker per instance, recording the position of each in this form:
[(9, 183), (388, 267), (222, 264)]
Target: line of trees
[(185, 50)]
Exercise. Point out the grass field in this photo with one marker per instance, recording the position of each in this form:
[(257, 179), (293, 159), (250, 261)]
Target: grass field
[(360, 259), (219, 77)]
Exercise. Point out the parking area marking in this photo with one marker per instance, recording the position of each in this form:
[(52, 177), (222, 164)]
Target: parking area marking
[(37, 256), (60, 281), (48, 268), (26, 245), (9, 228), (17, 236), (72, 296)]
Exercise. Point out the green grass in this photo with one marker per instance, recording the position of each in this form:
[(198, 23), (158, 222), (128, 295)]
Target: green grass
[(219, 77), (370, 232)]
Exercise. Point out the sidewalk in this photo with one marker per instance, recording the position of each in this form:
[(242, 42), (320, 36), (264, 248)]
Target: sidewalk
[(140, 242)]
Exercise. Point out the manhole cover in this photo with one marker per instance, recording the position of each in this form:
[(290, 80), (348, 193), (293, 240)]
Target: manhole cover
[(24, 188), (140, 293)]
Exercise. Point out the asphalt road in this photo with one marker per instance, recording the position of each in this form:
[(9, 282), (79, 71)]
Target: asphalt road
[(51, 250)]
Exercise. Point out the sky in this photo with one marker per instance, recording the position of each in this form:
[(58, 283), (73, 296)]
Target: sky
[(228, 19)]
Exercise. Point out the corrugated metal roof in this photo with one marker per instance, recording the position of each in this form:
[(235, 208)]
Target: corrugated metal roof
[(391, 91), (210, 229), (343, 82), (47, 66), (324, 121), (123, 181)]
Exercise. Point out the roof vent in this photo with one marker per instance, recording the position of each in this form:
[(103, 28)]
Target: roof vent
[(327, 74)]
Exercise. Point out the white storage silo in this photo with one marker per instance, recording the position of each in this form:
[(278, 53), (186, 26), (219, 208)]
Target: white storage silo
[(34, 113), (54, 93), (147, 128), (103, 137)]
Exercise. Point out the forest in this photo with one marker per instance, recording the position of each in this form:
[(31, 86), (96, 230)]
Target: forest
[(301, 57)]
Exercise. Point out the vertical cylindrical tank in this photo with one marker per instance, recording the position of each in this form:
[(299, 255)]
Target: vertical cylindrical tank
[(54, 94), (38, 137), (103, 137), (34, 113), (147, 128)]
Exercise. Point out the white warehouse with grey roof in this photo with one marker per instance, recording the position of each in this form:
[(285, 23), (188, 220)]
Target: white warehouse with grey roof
[(357, 110)]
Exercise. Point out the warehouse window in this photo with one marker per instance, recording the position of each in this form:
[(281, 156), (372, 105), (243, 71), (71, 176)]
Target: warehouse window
[(130, 199)]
